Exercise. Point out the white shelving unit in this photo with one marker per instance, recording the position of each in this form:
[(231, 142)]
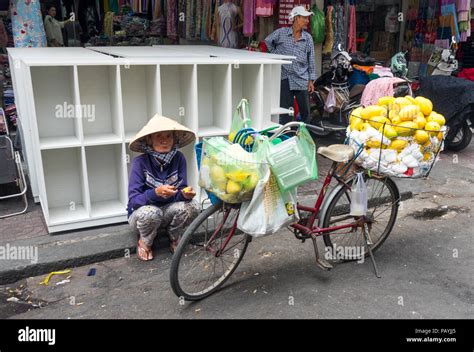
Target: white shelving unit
[(79, 108)]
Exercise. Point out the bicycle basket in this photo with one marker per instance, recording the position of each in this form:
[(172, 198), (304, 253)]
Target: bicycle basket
[(228, 171), (400, 137)]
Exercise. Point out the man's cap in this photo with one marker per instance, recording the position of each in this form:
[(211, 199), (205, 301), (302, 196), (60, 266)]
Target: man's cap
[(300, 11)]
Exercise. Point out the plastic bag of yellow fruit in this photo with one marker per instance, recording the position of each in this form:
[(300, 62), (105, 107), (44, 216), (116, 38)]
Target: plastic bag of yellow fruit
[(228, 171), (399, 137)]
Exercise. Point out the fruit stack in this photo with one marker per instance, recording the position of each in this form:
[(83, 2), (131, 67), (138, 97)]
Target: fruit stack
[(400, 136), (228, 171)]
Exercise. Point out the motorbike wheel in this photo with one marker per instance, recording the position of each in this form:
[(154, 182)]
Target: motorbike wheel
[(316, 121), (461, 139)]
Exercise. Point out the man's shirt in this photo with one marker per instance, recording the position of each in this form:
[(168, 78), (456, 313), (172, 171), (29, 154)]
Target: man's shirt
[(303, 67)]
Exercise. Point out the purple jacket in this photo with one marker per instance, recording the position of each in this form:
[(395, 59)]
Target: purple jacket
[(146, 175)]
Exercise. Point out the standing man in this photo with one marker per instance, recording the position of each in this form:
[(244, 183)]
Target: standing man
[(297, 78)]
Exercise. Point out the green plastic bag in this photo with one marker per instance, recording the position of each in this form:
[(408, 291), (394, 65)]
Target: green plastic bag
[(317, 25), (241, 119), (293, 161)]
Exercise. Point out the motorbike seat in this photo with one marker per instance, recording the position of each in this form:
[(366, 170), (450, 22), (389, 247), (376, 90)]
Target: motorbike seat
[(356, 90)]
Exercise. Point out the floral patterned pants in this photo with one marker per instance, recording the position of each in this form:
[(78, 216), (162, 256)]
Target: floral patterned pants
[(174, 217)]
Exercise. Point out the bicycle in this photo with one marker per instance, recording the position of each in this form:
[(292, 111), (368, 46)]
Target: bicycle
[(212, 247)]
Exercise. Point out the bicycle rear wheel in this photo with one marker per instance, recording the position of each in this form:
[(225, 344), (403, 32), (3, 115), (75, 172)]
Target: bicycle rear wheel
[(208, 253), (349, 244)]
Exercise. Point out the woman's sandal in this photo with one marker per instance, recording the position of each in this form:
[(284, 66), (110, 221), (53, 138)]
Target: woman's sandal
[(144, 253)]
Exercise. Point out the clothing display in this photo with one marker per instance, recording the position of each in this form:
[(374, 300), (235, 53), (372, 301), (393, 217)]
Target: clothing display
[(228, 36), (27, 24)]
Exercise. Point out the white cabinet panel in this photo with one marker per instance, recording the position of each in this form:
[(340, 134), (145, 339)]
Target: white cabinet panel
[(214, 90), (99, 90), (55, 103), (140, 96), (106, 178), (66, 188), (178, 85)]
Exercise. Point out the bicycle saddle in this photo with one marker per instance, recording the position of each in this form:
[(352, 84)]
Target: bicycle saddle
[(340, 153)]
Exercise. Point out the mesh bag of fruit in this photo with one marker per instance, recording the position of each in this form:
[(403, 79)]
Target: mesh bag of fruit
[(399, 137), (228, 171)]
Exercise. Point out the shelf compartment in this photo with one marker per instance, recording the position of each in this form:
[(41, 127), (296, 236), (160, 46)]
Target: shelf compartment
[(100, 99), (107, 184), (178, 87), (247, 82), (67, 198), (55, 103), (140, 96), (214, 92)]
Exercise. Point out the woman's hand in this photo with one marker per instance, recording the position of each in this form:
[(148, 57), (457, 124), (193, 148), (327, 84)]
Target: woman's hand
[(188, 193), (165, 191)]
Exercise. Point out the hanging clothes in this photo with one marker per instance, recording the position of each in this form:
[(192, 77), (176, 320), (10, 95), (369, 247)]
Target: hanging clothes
[(329, 42), (27, 25), (339, 28), (171, 19), (250, 16), (352, 35), (228, 15), (264, 8)]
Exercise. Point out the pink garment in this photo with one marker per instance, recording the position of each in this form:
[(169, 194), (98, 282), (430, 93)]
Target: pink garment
[(380, 87), (249, 18), (264, 8), (352, 35), (382, 71)]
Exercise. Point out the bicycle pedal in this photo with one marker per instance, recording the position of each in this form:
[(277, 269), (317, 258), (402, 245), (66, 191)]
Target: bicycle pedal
[(323, 264)]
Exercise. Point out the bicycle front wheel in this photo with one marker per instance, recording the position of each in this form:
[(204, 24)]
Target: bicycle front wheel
[(349, 244), (208, 253)]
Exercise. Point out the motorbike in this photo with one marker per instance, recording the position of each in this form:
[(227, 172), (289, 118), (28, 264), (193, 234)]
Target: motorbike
[(442, 83), (333, 100), (454, 98)]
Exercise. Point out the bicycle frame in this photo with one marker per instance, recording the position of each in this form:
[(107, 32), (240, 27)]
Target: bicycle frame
[(308, 229)]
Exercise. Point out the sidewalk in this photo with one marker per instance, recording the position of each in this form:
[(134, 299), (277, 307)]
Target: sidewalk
[(77, 248)]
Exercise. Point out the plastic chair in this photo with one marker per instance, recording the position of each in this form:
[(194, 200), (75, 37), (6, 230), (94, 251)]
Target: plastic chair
[(11, 170)]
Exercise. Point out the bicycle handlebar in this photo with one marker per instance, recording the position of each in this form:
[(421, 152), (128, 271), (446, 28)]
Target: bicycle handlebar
[(294, 124)]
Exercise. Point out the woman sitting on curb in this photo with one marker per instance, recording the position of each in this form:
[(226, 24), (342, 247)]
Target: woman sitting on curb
[(158, 193)]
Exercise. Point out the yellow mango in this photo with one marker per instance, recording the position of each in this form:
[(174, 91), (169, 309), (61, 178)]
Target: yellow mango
[(406, 128), (426, 106), (421, 137), (378, 121), (409, 112), (355, 114), (385, 101), (438, 118), (389, 131), (233, 187), (372, 111), (432, 127), (398, 144), (420, 121)]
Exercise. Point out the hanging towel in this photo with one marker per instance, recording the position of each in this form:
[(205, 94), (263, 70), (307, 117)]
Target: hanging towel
[(327, 47), (249, 18), (352, 35), (380, 87)]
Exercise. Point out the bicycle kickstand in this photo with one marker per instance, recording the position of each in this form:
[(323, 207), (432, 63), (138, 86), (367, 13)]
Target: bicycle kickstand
[(368, 242), (322, 263)]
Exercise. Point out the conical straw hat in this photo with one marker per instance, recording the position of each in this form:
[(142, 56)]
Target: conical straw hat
[(160, 123)]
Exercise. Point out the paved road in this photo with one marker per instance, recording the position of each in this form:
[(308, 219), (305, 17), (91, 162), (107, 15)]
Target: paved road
[(426, 266)]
